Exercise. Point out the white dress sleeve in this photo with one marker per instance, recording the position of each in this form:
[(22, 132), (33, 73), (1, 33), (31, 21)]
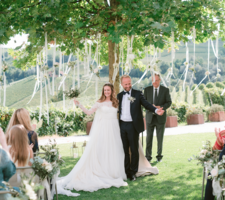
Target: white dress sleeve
[(92, 110)]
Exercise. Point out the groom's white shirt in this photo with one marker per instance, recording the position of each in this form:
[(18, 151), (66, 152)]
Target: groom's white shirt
[(125, 108)]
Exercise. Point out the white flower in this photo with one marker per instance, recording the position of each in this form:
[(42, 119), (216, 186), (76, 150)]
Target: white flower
[(204, 151), (131, 99), (186, 63), (53, 151), (218, 70), (218, 75), (29, 191), (48, 167), (96, 70), (214, 171), (99, 67), (202, 156), (207, 73), (126, 64)]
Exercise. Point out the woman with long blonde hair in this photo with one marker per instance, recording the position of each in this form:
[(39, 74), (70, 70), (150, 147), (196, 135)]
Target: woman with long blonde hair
[(102, 164), (22, 116), (19, 149)]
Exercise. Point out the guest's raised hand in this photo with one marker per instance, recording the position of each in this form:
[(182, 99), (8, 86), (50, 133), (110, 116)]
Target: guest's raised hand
[(217, 130), (31, 146), (160, 111)]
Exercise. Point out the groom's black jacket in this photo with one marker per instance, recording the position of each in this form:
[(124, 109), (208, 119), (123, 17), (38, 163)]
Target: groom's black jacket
[(135, 108)]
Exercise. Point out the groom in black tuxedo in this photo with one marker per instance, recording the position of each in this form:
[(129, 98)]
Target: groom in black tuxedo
[(131, 123)]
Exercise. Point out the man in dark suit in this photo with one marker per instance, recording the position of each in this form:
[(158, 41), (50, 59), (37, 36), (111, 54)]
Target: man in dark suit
[(131, 123), (159, 96)]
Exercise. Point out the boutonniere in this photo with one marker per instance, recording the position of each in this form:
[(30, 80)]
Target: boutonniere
[(131, 99)]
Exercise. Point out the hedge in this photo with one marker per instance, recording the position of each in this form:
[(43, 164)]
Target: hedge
[(60, 122)]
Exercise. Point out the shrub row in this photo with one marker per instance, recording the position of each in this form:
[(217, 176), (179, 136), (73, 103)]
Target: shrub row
[(60, 122)]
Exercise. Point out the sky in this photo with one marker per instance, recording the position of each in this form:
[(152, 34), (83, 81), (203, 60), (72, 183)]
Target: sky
[(19, 40)]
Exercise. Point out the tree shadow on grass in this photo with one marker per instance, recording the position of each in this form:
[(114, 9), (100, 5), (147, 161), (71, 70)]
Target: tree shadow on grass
[(179, 186)]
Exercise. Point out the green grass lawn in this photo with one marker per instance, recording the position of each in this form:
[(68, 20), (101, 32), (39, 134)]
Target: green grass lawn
[(177, 178)]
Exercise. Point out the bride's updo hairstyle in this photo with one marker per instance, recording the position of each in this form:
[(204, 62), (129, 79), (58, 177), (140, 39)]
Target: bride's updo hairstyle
[(113, 98)]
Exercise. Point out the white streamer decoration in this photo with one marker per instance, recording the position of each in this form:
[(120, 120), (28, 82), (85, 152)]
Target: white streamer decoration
[(53, 73), (40, 110), (4, 99), (41, 191), (187, 64), (115, 65), (78, 69), (0, 71)]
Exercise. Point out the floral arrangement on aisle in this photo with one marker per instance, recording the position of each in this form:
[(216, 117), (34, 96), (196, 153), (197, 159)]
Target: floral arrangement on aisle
[(52, 155), (28, 189), (42, 168), (209, 159)]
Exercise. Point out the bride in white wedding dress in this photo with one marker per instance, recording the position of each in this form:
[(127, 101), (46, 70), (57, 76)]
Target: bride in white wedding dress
[(102, 164)]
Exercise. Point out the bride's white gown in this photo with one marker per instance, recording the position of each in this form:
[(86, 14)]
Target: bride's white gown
[(102, 163)]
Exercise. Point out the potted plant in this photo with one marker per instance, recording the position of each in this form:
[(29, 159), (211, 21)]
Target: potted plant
[(171, 119), (87, 123), (216, 113), (194, 115)]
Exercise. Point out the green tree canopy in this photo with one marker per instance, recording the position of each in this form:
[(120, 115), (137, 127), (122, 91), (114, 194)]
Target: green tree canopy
[(71, 21)]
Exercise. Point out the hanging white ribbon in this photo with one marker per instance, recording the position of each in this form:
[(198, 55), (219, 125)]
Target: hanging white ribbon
[(0, 70), (4, 99), (53, 73), (46, 97), (214, 51), (187, 64), (41, 191), (199, 84), (53, 182), (40, 110), (78, 70), (64, 76), (96, 88), (194, 37)]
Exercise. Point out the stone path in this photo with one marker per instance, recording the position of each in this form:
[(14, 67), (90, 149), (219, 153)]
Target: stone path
[(202, 128)]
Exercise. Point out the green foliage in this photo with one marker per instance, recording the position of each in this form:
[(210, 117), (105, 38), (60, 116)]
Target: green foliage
[(192, 110), (201, 87), (220, 85), (215, 97), (210, 85), (193, 86), (215, 108), (187, 94), (171, 112), (180, 108), (60, 122)]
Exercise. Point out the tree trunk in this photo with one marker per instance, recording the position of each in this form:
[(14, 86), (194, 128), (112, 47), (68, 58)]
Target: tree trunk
[(111, 47)]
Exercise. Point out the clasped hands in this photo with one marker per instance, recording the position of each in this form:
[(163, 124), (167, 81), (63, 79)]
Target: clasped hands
[(160, 110)]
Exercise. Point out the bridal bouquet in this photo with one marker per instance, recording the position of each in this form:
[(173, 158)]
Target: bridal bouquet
[(27, 189), (72, 93)]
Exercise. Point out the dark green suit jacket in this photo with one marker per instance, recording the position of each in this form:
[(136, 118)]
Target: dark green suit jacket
[(163, 100)]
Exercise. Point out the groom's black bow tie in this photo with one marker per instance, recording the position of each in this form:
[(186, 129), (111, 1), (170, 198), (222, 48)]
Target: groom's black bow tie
[(125, 93)]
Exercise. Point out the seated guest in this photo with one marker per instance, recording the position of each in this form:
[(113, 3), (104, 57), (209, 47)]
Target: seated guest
[(19, 149), (219, 145), (22, 116), (7, 167)]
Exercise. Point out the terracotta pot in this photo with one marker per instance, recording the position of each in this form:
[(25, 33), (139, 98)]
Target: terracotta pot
[(171, 121), (144, 122), (195, 119), (88, 127), (217, 116)]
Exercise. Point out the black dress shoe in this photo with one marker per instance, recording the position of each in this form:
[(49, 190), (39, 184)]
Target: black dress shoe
[(133, 178)]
